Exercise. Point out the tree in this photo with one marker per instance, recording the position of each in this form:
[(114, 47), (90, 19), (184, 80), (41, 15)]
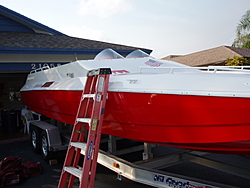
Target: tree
[(243, 32), (236, 61)]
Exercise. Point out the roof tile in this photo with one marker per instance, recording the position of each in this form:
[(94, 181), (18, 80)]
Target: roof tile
[(35, 40), (212, 56)]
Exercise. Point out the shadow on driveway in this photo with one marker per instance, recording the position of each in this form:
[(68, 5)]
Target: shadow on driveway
[(51, 173)]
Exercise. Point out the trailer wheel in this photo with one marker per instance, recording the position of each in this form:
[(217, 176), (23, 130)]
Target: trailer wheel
[(35, 140), (46, 154)]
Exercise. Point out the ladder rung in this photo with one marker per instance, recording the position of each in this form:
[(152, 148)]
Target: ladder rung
[(79, 145), (84, 120), (88, 96), (74, 171)]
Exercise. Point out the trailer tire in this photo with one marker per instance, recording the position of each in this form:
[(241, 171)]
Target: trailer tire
[(46, 153), (35, 140)]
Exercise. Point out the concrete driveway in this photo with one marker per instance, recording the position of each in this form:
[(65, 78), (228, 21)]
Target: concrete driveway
[(107, 179), (51, 173)]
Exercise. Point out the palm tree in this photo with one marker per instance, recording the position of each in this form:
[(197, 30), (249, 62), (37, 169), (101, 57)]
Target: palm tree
[(243, 32)]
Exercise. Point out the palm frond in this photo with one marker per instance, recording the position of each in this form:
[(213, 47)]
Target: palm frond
[(243, 32)]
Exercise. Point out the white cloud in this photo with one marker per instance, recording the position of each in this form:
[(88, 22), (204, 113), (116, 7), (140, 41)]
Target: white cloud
[(104, 8), (83, 32)]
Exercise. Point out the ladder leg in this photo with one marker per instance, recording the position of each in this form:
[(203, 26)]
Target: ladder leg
[(71, 181), (75, 163), (93, 170), (87, 164), (64, 175), (77, 158), (63, 180)]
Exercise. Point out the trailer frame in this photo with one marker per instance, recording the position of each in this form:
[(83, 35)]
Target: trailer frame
[(146, 171)]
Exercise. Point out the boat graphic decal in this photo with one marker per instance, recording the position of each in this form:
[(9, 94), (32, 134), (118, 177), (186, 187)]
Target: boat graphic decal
[(38, 85), (47, 84), (120, 72), (153, 63)]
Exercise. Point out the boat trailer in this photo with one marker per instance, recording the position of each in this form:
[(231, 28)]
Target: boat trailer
[(147, 171)]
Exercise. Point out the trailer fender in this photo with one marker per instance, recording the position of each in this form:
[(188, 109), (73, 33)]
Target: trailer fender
[(52, 132)]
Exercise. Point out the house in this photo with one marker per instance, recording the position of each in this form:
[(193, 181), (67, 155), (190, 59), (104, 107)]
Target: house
[(26, 44), (214, 56)]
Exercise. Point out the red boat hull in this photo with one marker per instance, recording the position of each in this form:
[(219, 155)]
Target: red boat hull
[(194, 122)]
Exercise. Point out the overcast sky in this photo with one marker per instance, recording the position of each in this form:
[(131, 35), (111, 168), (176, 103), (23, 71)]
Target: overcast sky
[(165, 26)]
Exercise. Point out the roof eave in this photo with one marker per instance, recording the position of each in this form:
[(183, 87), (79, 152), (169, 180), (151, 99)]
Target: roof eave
[(36, 26), (17, 50)]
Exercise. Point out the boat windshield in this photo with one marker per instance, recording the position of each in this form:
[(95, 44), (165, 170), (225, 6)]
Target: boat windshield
[(137, 54), (108, 54)]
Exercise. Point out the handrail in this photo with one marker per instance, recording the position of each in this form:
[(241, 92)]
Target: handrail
[(229, 68), (40, 69), (209, 68)]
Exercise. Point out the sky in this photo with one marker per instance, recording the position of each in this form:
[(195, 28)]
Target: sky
[(168, 27)]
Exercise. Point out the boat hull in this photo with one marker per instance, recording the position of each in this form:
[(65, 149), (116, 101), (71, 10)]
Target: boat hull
[(190, 121)]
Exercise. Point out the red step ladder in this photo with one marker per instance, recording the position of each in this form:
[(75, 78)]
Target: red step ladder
[(90, 114)]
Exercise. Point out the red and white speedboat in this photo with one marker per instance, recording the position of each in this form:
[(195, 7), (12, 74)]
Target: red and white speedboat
[(154, 101)]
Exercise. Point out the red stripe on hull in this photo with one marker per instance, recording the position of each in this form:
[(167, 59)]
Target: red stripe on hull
[(162, 118)]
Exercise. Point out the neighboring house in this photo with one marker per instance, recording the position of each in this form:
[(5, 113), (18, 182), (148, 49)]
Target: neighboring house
[(214, 56), (26, 44)]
